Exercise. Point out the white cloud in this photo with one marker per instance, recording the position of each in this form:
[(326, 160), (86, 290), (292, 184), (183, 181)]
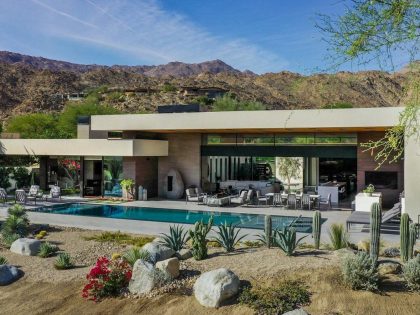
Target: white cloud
[(146, 31)]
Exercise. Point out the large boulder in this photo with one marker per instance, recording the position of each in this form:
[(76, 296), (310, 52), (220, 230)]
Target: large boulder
[(170, 267), (158, 251), (26, 246), (389, 267), (8, 274), (173, 185), (144, 278), (214, 287)]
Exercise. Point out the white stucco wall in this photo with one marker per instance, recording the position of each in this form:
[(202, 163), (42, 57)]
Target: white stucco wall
[(412, 177)]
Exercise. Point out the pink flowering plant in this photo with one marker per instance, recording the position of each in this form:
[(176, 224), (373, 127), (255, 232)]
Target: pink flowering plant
[(107, 278)]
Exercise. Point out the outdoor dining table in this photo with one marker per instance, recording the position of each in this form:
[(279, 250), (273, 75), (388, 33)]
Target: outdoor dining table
[(298, 196)]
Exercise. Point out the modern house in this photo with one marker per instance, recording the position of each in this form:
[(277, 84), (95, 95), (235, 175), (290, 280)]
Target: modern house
[(210, 149)]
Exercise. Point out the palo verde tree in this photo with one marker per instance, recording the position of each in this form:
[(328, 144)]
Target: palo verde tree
[(377, 30), (288, 168)]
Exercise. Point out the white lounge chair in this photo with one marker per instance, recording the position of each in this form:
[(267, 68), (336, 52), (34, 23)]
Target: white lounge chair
[(239, 199), (34, 191), (55, 193), (191, 194)]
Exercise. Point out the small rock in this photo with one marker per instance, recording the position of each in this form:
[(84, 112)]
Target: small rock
[(8, 274), (389, 267), (214, 287), (26, 246), (298, 311), (343, 252), (144, 278), (169, 266), (158, 252), (184, 254)]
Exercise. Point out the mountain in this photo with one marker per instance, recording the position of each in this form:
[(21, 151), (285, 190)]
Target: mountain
[(35, 84), (177, 69)]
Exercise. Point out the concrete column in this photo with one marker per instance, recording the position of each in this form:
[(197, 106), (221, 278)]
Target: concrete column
[(411, 177), (43, 172)]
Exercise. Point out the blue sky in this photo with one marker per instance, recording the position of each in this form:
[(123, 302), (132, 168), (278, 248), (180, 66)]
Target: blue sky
[(259, 35)]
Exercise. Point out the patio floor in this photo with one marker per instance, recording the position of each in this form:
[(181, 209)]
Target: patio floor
[(154, 228)]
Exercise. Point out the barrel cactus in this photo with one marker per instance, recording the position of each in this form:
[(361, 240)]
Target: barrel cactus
[(268, 229), (412, 240), (404, 236), (375, 231), (316, 228)]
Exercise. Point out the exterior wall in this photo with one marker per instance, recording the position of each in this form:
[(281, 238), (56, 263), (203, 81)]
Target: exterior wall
[(365, 162), (144, 171), (185, 156), (411, 178)]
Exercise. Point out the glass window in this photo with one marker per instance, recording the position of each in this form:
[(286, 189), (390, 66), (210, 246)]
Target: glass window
[(294, 139), (65, 172), (259, 139), (112, 176), (221, 139)]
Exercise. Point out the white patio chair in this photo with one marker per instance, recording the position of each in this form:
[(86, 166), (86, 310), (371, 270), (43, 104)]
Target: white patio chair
[(3, 195), (291, 201), (325, 201), (261, 198), (190, 195), (55, 193), (239, 199)]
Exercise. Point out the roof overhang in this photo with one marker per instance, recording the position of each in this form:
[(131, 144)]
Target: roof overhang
[(334, 120), (84, 147)]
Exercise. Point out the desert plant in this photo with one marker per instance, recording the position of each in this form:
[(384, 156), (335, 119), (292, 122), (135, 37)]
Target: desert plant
[(22, 176), (198, 237), (134, 254), (46, 250), (412, 237), (107, 278), (338, 236), (391, 252), (3, 261), (120, 238), (316, 228), (286, 240), (370, 189), (176, 238), (359, 272), (411, 273), (249, 243), (128, 185), (268, 229), (228, 236), (5, 177), (8, 239), (16, 223), (404, 237), (278, 299), (375, 231), (63, 261)]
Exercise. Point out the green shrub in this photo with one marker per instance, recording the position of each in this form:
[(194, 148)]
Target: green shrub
[(3, 261), (168, 87), (16, 223), (338, 105), (411, 273), (338, 236), (228, 236), (63, 262), (47, 250), (359, 272), (198, 238), (4, 177), (22, 177), (176, 238), (135, 254), (249, 243), (279, 299), (229, 103), (116, 96), (8, 239), (286, 240), (120, 238)]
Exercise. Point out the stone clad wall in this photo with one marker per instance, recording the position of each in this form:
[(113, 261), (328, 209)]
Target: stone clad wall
[(365, 162), (184, 156), (144, 171)]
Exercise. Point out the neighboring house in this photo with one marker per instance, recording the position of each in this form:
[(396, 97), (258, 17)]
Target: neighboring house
[(208, 148), (210, 92)]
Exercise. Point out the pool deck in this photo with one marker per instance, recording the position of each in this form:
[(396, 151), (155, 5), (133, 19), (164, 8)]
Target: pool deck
[(154, 228)]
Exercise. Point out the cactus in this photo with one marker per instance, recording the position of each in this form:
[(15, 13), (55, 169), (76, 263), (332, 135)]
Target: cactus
[(198, 238), (316, 228), (375, 231), (404, 236), (268, 229), (412, 240)]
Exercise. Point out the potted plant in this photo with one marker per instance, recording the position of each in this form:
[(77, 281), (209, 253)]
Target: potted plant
[(369, 190), (128, 185)]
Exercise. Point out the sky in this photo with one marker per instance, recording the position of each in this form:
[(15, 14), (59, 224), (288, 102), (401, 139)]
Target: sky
[(257, 35)]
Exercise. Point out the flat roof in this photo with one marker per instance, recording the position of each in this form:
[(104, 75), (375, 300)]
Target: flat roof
[(334, 120), (84, 147)]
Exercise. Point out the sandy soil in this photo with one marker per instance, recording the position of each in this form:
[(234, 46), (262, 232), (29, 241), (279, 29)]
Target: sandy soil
[(44, 290)]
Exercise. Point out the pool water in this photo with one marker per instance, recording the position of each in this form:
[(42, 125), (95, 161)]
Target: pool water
[(243, 220)]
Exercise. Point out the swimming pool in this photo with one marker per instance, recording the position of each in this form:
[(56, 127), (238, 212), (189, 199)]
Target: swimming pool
[(243, 220)]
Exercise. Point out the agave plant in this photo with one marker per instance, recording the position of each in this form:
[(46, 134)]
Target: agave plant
[(63, 262), (227, 236), (286, 240), (135, 254), (46, 250), (176, 238)]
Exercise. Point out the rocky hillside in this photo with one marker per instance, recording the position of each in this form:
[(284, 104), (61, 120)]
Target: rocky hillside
[(34, 84)]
